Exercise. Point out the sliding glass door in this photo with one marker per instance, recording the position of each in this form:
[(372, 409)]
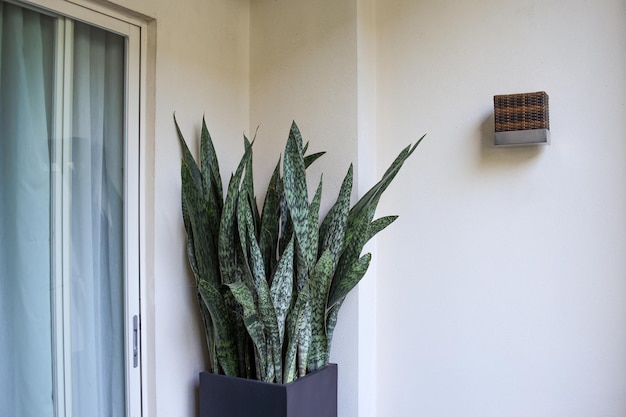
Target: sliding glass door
[(26, 221), (64, 276)]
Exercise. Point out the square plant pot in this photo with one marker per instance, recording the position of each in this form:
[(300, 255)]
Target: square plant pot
[(314, 395)]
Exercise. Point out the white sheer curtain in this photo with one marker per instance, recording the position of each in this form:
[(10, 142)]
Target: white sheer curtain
[(97, 223), (27, 257), (25, 307)]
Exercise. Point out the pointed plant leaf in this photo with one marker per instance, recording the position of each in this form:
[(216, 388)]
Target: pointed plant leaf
[(320, 285), (183, 205), (270, 221), (266, 308), (285, 224), (356, 232), (372, 196), (379, 225), (295, 189), (343, 285), (270, 321), (309, 159), (209, 330), (294, 134), (359, 219), (331, 322), (295, 320), (253, 323), (213, 214), (241, 225), (212, 182), (248, 186), (203, 260), (242, 273), (209, 162), (251, 252), (302, 268), (226, 347), (333, 229), (313, 225), (228, 260), (185, 178), (191, 255), (282, 288), (230, 264), (304, 339), (188, 158)]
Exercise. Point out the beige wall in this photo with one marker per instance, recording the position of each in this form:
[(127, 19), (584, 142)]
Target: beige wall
[(502, 287)]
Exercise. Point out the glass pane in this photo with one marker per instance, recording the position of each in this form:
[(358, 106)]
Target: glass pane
[(26, 68), (97, 225)]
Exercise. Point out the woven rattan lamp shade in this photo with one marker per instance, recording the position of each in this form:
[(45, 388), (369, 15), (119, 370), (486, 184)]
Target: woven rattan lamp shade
[(521, 119)]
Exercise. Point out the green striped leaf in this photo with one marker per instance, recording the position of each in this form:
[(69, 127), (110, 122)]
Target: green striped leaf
[(207, 322), (345, 283), (358, 227), (309, 159), (313, 225), (296, 319), (270, 217), (200, 240), (211, 182), (227, 257), (270, 321), (379, 225), (210, 165), (254, 326), (229, 263), (282, 288), (356, 232), (188, 158), (225, 345), (333, 229), (305, 335), (294, 134), (285, 224), (252, 257), (373, 195), (320, 285), (331, 323), (295, 189), (248, 186)]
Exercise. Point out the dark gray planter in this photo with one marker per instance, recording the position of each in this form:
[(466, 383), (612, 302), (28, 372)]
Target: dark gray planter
[(314, 395)]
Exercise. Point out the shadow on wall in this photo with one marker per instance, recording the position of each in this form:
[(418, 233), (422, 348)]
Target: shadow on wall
[(498, 157)]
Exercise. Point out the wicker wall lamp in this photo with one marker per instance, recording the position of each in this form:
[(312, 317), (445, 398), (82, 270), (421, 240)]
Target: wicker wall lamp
[(521, 119)]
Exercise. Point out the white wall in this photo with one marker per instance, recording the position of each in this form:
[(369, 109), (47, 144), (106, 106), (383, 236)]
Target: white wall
[(366, 291), (303, 68), (502, 287)]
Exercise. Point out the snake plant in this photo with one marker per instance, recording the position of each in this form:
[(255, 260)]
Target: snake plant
[(270, 284)]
